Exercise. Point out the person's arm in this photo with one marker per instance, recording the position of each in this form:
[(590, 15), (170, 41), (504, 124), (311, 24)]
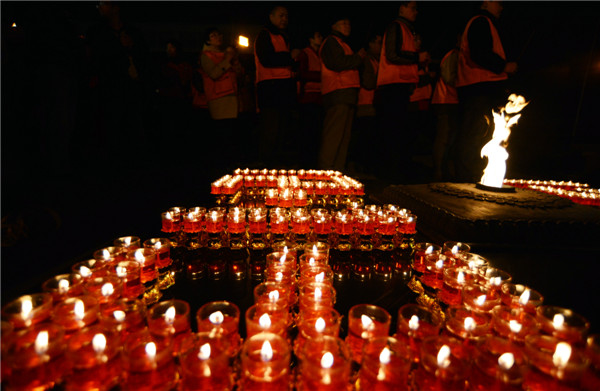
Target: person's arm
[(268, 57), (214, 71), (449, 69), (481, 46), (393, 47), (334, 58)]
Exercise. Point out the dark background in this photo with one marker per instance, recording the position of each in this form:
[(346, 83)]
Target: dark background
[(60, 202)]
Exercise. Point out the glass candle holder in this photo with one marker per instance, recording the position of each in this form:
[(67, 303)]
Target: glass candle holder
[(90, 268), (257, 220), (177, 213), (205, 364), (556, 365), (318, 274), (300, 198), (386, 365), (320, 321), (317, 250), (63, 286), (591, 378), (563, 323), (221, 318), (28, 310), (433, 276), (272, 292), (520, 296), (105, 289), (500, 366), (279, 223), (300, 221), (95, 362), (492, 279), (215, 220), (287, 246), (128, 242), (36, 358), (477, 298), (130, 273), (124, 316), (148, 363), (366, 321), (168, 224), (322, 224), (236, 221), (466, 324), (407, 225), (455, 280), (454, 250), (110, 254), (324, 364), (192, 222), (162, 248), (146, 257), (421, 251), (414, 324), (513, 323), (75, 313), (314, 295), (442, 365), (170, 319), (474, 262), (266, 317), (280, 273), (284, 259), (286, 198), (265, 359)]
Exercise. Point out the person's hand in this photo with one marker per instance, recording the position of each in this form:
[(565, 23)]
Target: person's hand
[(362, 53), (424, 57), (295, 53), (510, 67), (229, 54)]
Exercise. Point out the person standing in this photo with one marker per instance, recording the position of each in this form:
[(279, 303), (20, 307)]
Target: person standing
[(340, 82), (482, 70), (396, 80), (275, 86)]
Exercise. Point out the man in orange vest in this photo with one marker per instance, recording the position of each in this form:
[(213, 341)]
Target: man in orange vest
[(275, 87), (340, 82), (482, 70), (309, 99), (396, 80)]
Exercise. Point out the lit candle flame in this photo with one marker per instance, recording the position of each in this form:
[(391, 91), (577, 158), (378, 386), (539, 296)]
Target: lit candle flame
[(320, 325), (480, 301), (439, 264), (282, 259), (266, 352), (443, 357), (216, 317), (121, 271), (119, 315), (168, 216), (204, 352), (515, 326), (274, 296), (158, 244), (41, 342), (26, 308), (170, 315), (367, 323), (470, 324), (85, 271), (455, 249), (107, 289), (264, 321), (320, 277), (315, 251), (558, 321), (429, 250), (63, 286), (127, 241), (318, 294), (506, 361), (99, 343), (496, 281), (524, 298), (278, 276), (285, 248), (79, 309), (151, 350), (413, 323), (561, 355), (385, 356), (460, 278), (312, 261), (139, 255), (327, 360), (105, 254)]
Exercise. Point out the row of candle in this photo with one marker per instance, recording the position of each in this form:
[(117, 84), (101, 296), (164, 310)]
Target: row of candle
[(579, 193)]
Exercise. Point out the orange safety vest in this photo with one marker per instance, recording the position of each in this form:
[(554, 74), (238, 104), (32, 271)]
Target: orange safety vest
[(314, 65), (391, 73), (332, 80), (471, 73), (421, 93), (365, 97), (444, 93), (225, 85), (265, 73)]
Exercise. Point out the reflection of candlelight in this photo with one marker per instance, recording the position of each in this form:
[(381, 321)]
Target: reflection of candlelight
[(266, 351), (216, 317), (443, 357)]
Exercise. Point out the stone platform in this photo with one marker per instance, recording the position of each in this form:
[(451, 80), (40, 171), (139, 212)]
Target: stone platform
[(526, 218)]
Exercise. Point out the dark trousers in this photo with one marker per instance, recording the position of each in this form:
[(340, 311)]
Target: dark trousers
[(275, 125), (337, 128)]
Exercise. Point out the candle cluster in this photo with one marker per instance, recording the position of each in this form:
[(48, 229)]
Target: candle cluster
[(579, 193)]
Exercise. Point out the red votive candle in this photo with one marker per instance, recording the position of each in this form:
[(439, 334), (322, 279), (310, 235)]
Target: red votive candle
[(75, 313), (36, 358), (286, 197), (454, 251), (563, 324), (170, 319), (442, 365), (385, 366), (308, 261), (110, 254), (317, 250), (266, 317), (168, 224), (93, 354), (324, 364), (148, 363), (273, 292), (282, 259), (520, 296), (130, 273), (421, 251), (105, 289), (265, 361), (591, 378), (257, 221), (492, 279), (433, 275), (408, 224), (279, 222), (320, 321), (500, 366), (128, 242), (300, 221), (468, 325), (322, 224), (343, 223), (123, 316), (556, 365), (146, 257), (300, 198), (316, 294), (366, 321), (28, 310), (455, 280), (318, 274), (90, 268), (63, 286), (205, 364), (474, 262), (162, 248), (221, 318), (215, 220), (513, 323), (477, 298), (416, 323)]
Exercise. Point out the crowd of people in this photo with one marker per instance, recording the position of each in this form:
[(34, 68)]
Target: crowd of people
[(325, 105)]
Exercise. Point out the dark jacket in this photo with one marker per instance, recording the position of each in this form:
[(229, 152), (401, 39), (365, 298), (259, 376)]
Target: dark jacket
[(481, 44), (334, 58), (393, 44)]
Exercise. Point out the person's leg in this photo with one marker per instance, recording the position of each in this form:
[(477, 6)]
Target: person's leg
[(333, 132), (342, 153)]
